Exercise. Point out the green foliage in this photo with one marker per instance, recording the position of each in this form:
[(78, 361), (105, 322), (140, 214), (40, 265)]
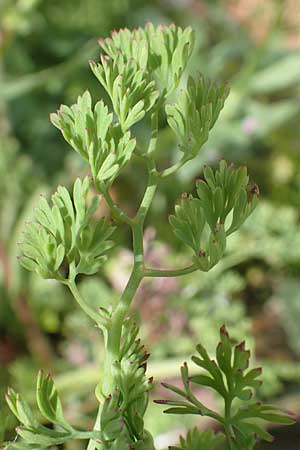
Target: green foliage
[(122, 415), (221, 193), (139, 71), (188, 225), (66, 233), (32, 433), (200, 440), (95, 138), (195, 113), (131, 92), (224, 191), (163, 51), (230, 377)]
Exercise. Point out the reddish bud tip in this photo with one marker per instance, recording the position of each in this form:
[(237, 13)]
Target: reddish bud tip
[(223, 331), (241, 346), (255, 190)]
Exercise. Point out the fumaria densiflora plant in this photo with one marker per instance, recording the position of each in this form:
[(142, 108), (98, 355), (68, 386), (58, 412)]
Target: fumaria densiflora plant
[(141, 70)]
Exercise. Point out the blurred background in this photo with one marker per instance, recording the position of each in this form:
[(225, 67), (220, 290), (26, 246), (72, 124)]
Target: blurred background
[(44, 51)]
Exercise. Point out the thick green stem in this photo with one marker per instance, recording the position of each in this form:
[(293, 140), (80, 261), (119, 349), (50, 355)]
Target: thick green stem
[(137, 274), (114, 335), (115, 331), (119, 314), (227, 424)]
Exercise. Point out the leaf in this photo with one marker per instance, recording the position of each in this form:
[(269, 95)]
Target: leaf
[(225, 191), (195, 113), (231, 378), (48, 401), (188, 222), (20, 408), (66, 234), (131, 90), (93, 135), (53, 438), (162, 52)]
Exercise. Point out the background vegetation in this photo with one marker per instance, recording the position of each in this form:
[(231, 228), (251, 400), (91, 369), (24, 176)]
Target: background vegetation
[(44, 51)]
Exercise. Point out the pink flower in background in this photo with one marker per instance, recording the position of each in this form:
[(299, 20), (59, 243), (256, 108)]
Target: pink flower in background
[(77, 353), (250, 125)]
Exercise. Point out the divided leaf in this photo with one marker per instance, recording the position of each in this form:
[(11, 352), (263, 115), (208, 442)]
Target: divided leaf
[(161, 51), (66, 234), (226, 191), (188, 222), (189, 225), (93, 135), (230, 377), (200, 222), (20, 409), (33, 434), (195, 113), (49, 402), (131, 91)]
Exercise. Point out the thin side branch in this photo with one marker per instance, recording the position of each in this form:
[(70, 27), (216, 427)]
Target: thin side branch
[(149, 272), (115, 209), (173, 169), (82, 303)]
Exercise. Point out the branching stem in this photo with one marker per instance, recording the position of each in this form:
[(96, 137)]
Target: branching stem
[(137, 274)]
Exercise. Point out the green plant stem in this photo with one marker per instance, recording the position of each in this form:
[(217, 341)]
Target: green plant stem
[(92, 443), (173, 169), (146, 202), (86, 308), (115, 331), (114, 334), (149, 272), (226, 423), (86, 435), (117, 212), (137, 274), (154, 133)]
